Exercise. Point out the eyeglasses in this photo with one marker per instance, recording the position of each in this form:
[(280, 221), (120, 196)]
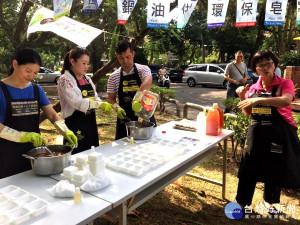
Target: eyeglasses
[(267, 65)]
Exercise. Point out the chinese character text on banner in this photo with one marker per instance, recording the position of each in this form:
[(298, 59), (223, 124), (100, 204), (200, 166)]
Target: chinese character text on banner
[(216, 13), (275, 12), (246, 13), (158, 13), (90, 6), (61, 8), (185, 9), (125, 8), (77, 32)]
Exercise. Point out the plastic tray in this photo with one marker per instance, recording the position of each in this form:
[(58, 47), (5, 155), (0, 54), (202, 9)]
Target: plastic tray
[(139, 159)]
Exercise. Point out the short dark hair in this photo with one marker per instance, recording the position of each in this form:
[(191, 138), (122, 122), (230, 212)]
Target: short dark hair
[(260, 55), (239, 51), (75, 54), (123, 45), (25, 56)]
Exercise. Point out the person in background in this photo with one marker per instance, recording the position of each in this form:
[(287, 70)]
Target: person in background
[(272, 150), (124, 83), (79, 99), (162, 71), (236, 75), (20, 104)]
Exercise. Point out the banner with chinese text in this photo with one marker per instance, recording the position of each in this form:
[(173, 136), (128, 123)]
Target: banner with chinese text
[(158, 13), (298, 13), (246, 13), (275, 12), (216, 13), (61, 8), (185, 9), (125, 8), (90, 6), (77, 32)]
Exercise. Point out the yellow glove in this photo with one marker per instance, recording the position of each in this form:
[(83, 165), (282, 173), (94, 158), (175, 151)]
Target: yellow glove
[(22, 137), (71, 137), (106, 107), (136, 106), (35, 138), (120, 112), (66, 132)]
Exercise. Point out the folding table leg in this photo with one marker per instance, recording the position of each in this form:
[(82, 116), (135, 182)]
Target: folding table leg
[(123, 214)]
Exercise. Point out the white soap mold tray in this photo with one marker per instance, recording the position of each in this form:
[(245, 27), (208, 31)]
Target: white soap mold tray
[(18, 205), (139, 159)]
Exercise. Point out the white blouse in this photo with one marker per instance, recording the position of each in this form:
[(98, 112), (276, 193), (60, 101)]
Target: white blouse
[(70, 95)]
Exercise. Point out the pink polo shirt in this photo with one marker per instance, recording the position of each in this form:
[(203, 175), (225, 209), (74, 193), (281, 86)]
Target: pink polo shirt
[(284, 86)]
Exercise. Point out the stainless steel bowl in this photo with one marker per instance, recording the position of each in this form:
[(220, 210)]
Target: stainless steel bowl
[(43, 164), (139, 131)]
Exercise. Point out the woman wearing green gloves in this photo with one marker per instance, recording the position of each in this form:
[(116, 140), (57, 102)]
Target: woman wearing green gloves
[(20, 104), (79, 99)]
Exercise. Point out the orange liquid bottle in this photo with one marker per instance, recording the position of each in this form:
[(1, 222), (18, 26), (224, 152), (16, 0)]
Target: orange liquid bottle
[(221, 115), (213, 121)]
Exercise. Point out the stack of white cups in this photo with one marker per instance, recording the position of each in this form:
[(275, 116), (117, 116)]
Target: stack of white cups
[(96, 164), (80, 161)]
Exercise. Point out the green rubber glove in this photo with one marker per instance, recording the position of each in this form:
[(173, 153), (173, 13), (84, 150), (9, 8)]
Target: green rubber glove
[(121, 113), (35, 138), (71, 137), (136, 106), (106, 107)]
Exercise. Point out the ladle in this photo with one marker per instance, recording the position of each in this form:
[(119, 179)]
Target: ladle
[(48, 150)]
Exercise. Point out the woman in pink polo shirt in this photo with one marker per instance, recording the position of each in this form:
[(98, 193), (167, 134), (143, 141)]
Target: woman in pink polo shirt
[(272, 150)]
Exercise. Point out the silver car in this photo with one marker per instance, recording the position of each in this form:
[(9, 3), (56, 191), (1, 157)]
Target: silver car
[(47, 76), (204, 74)]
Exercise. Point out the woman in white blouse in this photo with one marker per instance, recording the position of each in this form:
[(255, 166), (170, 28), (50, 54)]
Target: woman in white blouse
[(79, 99)]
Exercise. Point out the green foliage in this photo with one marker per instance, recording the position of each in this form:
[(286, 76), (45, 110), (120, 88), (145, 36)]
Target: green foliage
[(212, 58), (140, 56), (296, 117), (164, 94), (114, 41), (101, 85), (291, 58), (231, 103)]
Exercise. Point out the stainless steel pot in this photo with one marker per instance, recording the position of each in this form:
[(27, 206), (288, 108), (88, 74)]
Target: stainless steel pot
[(43, 164), (139, 131)]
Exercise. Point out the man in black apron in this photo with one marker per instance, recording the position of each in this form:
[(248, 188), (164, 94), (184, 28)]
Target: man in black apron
[(82, 124), (271, 155), (128, 86), (23, 115)]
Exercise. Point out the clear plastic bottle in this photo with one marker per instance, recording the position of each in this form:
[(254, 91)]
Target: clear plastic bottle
[(149, 102), (213, 121), (77, 195), (201, 123), (131, 142)]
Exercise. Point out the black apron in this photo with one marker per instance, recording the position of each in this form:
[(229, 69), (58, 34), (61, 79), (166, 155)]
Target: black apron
[(21, 115), (84, 125), (128, 87), (272, 151)]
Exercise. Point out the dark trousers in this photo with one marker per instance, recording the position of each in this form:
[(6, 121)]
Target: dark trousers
[(246, 188), (231, 88)]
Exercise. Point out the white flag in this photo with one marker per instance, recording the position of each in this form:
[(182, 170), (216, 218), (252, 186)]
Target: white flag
[(216, 13), (298, 13), (77, 32), (158, 13), (246, 13), (90, 6), (61, 8), (186, 7), (275, 12), (125, 8)]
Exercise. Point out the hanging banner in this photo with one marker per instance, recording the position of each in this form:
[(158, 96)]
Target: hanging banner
[(216, 13), (246, 13), (275, 12), (158, 13), (125, 8), (186, 7), (298, 13), (90, 6), (61, 8), (77, 32)]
